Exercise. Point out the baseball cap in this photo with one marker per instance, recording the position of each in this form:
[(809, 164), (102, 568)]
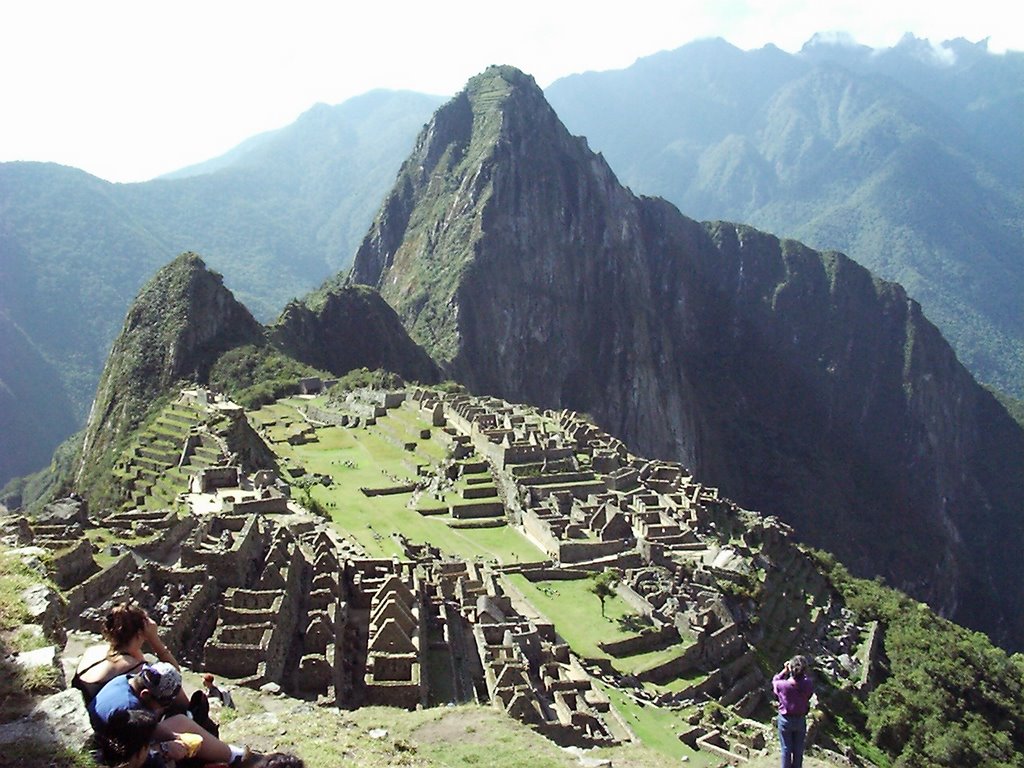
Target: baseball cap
[(162, 679)]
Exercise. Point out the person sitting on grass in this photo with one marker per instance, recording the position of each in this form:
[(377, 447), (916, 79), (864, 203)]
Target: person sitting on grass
[(127, 630), (215, 692), (154, 689)]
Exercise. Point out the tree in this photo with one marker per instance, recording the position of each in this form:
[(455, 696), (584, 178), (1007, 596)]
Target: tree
[(604, 585)]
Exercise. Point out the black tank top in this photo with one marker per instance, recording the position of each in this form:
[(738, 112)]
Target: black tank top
[(89, 690)]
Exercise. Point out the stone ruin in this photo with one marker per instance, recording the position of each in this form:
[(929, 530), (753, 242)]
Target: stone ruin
[(515, 662), (587, 503), (265, 600)]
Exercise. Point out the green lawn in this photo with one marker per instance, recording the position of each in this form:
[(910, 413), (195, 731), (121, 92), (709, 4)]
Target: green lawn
[(358, 458), (657, 728), (581, 625), (578, 611)]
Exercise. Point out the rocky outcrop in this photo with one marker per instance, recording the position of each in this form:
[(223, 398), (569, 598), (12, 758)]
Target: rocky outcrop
[(793, 379), (340, 329), (181, 321), (59, 720)]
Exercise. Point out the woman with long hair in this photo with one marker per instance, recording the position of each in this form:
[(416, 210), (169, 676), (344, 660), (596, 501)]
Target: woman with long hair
[(127, 629)]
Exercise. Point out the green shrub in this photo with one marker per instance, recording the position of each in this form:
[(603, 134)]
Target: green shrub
[(948, 697)]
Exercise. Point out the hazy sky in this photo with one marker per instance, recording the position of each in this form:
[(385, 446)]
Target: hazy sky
[(131, 89)]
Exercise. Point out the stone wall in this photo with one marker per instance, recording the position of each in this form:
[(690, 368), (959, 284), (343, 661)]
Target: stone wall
[(634, 599), (230, 564), (188, 617), (212, 478), (581, 551), (74, 564), (538, 529), (96, 587), (395, 647), (160, 547), (477, 509), (236, 651), (274, 504), (642, 643)]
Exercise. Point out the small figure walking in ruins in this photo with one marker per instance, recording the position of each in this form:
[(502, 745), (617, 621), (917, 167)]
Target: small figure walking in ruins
[(215, 692), (793, 688)]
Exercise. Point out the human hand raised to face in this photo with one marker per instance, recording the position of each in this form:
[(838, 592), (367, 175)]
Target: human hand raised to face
[(151, 631)]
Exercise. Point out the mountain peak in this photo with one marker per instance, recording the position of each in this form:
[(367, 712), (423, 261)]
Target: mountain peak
[(501, 75), (178, 325), (496, 147), (516, 259)]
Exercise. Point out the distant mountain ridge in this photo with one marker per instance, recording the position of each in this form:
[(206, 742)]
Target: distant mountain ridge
[(287, 208), (908, 159), (276, 217), (793, 379)]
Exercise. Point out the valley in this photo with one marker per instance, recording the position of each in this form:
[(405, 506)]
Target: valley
[(549, 451)]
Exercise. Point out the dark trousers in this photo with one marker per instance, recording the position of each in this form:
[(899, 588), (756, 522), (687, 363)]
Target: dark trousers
[(792, 731)]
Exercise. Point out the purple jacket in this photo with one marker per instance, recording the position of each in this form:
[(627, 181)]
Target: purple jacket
[(793, 693)]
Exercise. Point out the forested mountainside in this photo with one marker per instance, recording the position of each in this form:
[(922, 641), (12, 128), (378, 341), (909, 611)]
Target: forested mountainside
[(903, 158), (793, 379), (186, 327), (907, 159), (276, 217)]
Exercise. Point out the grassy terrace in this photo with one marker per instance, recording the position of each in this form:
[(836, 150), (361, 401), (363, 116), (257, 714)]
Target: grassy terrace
[(104, 537), (358, 458), (657, 728), (154, 454), (581, 625)]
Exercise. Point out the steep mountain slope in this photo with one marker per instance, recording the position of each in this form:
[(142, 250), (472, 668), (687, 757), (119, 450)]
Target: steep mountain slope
[(276, 218), (795, 380), (33, 415), (72, 258), (907, 159), (339, 329), (290, 208), (186, 327), (177, 327)]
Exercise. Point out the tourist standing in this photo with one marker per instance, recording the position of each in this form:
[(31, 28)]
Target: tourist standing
[(793, 688)]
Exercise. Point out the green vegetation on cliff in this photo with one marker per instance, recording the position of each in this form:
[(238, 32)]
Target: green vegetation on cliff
[(447, 178), (180, 323), (946, 696), (899, 157), (341, 328), (276, 217), (253, 375), (793, 380)]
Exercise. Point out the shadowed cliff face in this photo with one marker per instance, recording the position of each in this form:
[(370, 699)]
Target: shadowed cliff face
[(178, 325), (346, 328), (792, 379)]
